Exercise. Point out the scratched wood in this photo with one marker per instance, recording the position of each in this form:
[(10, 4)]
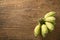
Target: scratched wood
[(18, 18)]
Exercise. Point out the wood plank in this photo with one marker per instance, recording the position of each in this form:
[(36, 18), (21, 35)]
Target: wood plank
[(18, 18)]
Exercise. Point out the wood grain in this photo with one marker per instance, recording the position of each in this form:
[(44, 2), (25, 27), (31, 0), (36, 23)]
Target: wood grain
[(18, 18)]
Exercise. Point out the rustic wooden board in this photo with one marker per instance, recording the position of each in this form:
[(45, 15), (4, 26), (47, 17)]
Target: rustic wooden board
[(18, 18)]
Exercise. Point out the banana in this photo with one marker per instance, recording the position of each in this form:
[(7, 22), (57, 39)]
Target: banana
[(45, 23), (50, 19), (52, 13), (53, 23), (50, 26), (44, 30), (37, 30)]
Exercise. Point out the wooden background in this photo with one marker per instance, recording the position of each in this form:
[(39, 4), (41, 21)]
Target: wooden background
[(18, 18)]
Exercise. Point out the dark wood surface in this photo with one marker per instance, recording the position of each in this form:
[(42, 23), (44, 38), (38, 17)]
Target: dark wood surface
[(18, 18)]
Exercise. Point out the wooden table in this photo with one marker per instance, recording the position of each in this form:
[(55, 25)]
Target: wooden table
[(18, 18)]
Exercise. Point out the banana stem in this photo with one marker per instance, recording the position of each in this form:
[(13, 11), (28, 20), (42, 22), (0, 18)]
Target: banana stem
[(41, 21)]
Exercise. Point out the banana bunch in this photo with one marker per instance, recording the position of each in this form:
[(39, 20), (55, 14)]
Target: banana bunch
[(45, 24)]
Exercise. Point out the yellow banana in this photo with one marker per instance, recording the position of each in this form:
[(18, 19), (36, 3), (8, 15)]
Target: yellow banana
[(50, 19), (37, 30), (45, 23), (44, 30), (52, 13), (49, 25)]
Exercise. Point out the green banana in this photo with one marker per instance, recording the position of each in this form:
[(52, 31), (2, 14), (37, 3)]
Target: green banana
[(44, 30), (50, 19), (52, 13), (37, 30), (50, 26)]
